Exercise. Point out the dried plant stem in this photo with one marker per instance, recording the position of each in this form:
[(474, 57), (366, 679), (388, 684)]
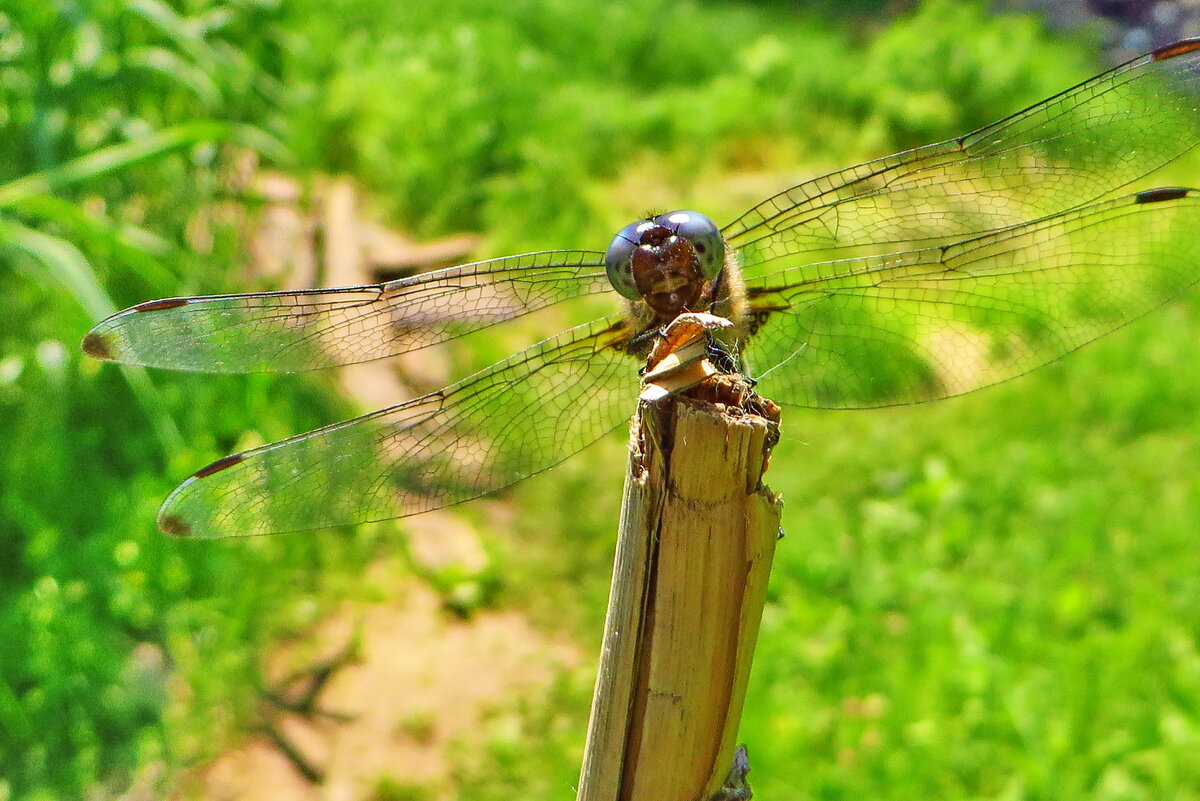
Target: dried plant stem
[(697, 536)]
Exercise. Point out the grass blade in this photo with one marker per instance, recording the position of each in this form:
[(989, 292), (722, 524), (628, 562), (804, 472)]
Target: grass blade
[(60, 261), (122, 156)]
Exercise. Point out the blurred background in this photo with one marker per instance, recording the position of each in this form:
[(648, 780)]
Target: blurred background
[(992, 597)]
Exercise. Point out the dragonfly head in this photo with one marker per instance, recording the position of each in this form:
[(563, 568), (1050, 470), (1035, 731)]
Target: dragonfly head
[(669, 261)]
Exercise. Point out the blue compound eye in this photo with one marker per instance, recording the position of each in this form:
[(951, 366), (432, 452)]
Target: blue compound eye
[(618, 259), (702, 233)]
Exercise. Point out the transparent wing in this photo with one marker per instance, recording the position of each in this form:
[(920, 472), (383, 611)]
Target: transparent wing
[(1079, 146), (936, 322), (283, 332), (507, 422)]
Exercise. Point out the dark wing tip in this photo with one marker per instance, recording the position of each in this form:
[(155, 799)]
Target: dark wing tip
[(1180, 48), (159, 305), (98, 346), (174, 526), (1161, 193), (219, 465)]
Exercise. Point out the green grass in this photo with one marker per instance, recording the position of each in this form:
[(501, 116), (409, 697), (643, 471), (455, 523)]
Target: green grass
[(997, 600), (990, 597), (106, 164)]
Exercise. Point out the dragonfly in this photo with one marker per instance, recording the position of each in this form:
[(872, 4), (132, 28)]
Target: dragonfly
[(921, 275)]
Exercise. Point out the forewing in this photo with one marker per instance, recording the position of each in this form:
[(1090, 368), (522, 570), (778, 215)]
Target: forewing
[(507, 422), (936, 322), (1079, 146), (283, 332)]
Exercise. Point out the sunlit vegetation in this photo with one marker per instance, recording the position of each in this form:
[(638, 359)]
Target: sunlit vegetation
[(991, 597)]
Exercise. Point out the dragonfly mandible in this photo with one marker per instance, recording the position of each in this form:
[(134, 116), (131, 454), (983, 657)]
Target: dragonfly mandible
[(917, 276)]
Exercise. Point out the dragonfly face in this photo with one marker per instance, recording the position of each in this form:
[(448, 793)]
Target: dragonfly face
[(670, 264), (917, 276)]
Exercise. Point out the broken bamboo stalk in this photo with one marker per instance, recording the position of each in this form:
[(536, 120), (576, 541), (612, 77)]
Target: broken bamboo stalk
[(696, 541)]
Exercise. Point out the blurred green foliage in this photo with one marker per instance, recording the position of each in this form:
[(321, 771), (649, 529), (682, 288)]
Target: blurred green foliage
[(504, 116), (114, 121), (994, 597)]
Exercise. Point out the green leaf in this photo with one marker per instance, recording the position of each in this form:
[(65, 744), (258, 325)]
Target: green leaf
[(136, 247), (177, 70), (57, 260), (114, 158)]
